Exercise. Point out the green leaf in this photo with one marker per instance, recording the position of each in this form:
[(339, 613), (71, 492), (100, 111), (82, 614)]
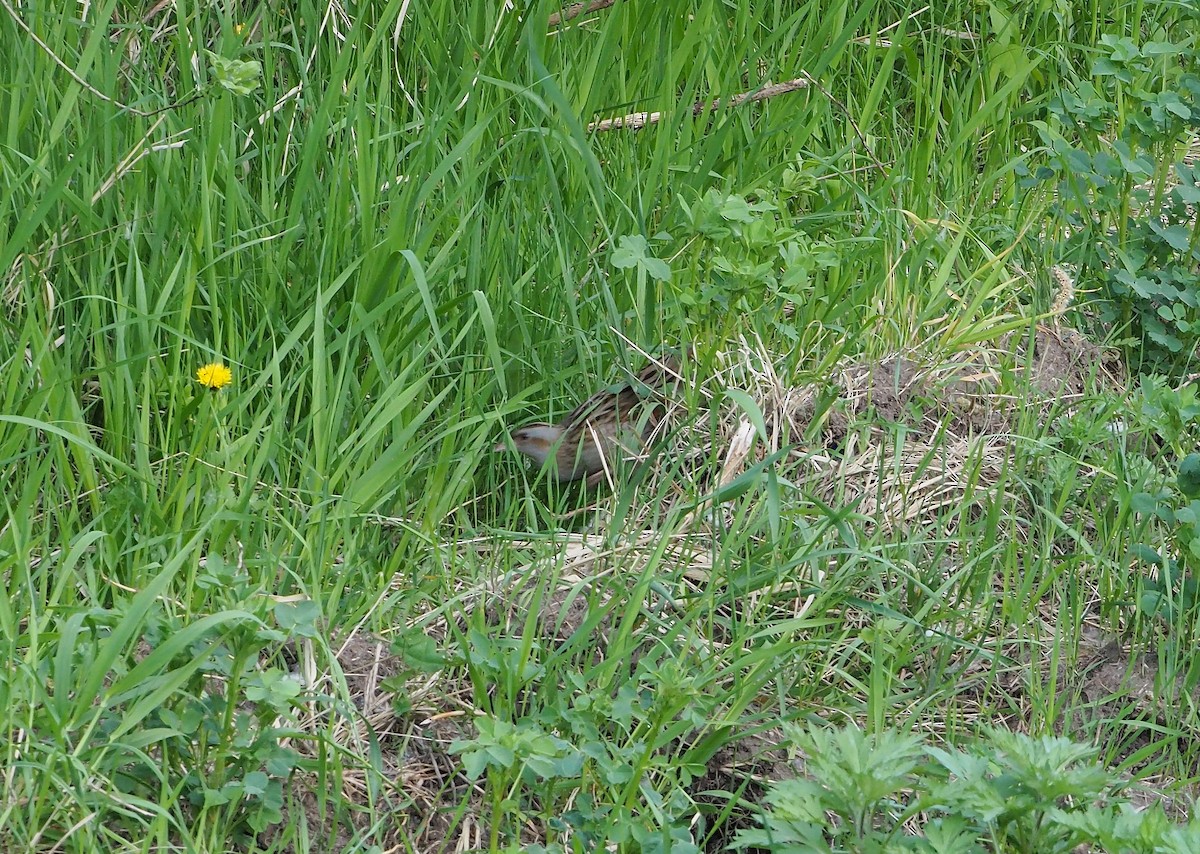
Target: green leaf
[(298, 618), (1189, 476), (419, 651), (658, 269), (736, 209), (475, 763), (1150, 603), (1144, 503), (1188, 193), (236, 75), (255, 784), (1176, 236), (747, 404), (1162, 49), (218, 797), (631, 250), (275, 688)]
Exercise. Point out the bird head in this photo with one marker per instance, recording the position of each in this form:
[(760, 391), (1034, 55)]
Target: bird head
[(534, 440)]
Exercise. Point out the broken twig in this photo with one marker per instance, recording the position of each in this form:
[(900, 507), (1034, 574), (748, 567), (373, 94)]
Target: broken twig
[(577, 9), (633, 121)]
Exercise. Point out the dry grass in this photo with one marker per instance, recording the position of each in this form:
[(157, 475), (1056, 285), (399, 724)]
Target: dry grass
[(836, 440)]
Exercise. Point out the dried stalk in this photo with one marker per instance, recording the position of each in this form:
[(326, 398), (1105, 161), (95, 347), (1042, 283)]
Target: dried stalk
[(577, 9), (634, 121)]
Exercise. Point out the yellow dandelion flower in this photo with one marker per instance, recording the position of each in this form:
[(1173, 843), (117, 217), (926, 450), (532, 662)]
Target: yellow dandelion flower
[(215, 376), (239, 28)]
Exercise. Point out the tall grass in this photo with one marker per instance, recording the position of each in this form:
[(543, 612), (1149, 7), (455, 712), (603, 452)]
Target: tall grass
[(401, 242)]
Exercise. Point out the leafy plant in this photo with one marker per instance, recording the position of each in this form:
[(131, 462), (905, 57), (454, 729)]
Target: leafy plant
[(1124, 198), (1007, 792), (591, 756), (1170, 591), (749, 260)]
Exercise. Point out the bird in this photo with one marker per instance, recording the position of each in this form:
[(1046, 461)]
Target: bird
[(613, 423)]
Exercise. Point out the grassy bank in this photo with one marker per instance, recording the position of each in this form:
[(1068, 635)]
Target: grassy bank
[(921, 474)]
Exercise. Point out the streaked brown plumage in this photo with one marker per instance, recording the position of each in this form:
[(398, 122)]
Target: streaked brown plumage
[(609, 425)]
